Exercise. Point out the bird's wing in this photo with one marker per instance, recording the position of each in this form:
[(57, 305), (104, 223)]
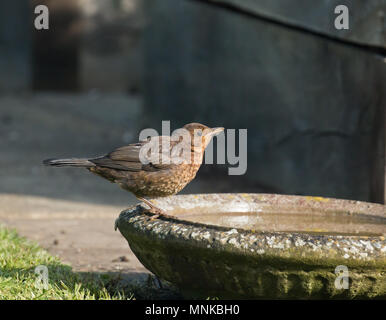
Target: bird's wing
[(145, 155), (124, 158)]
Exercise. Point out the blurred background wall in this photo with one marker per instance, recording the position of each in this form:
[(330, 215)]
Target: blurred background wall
[(312, 97), (15, 46), (313, 103)]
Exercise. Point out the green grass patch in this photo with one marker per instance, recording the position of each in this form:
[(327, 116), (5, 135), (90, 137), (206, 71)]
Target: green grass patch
[(19, 258)]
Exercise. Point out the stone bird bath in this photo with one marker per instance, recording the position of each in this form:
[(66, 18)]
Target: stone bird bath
[(248, 246)]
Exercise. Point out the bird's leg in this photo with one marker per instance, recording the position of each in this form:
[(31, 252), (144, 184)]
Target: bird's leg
[(153, 209)]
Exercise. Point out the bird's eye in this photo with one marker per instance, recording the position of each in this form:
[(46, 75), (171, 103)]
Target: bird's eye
[(199, 133)]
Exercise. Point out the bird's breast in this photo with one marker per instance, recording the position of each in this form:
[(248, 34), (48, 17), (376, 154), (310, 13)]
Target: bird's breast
[(167, 183)]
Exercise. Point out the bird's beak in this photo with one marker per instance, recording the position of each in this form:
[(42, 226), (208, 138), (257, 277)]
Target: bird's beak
[(210, 133), (215, 131)]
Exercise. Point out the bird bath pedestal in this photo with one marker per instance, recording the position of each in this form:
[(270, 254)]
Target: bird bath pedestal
[(249, 246)]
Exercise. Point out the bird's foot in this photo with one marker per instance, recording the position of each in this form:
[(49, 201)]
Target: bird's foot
[(157, 212)]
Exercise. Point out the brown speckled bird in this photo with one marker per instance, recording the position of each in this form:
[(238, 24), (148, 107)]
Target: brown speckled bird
[(157, 167)]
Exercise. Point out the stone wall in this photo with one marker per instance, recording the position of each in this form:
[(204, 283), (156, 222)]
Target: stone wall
[(110, 58), (313, 106), (90, 45), (367, 19), (15, 46)]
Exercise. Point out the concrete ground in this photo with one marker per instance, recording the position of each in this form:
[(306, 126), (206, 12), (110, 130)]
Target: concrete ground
[(70, 212)]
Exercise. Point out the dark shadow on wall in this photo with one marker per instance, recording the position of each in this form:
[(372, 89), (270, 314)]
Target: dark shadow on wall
[(55, 52)]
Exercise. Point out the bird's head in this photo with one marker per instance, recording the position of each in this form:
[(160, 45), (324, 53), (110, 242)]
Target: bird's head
[(200, 134)]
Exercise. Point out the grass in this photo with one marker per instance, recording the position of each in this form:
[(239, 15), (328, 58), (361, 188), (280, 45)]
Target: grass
[(18, 259)]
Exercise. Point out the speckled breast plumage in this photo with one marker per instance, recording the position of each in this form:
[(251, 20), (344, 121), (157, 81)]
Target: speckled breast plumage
[(151, 184)]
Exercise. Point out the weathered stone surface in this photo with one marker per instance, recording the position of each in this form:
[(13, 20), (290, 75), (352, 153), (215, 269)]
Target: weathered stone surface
[(314, 109), (15, 45), (367, 22), (245, 263)]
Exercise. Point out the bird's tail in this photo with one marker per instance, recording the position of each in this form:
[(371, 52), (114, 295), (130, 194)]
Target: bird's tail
[(73, 162)]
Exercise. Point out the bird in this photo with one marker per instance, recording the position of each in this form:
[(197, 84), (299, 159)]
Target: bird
[(158, 166)]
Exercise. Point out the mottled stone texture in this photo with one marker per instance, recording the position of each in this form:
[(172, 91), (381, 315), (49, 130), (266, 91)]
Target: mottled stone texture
[(15, 23), (314, 108), (211, 259)]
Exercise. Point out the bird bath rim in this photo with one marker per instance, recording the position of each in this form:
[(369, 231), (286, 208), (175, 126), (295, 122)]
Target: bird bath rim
[(343, 247), (191, 208)]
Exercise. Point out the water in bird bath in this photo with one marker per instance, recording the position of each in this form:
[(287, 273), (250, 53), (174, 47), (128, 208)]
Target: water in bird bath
[(315, 222)]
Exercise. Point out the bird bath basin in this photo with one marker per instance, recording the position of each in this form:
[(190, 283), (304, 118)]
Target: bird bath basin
[(247, 246)]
